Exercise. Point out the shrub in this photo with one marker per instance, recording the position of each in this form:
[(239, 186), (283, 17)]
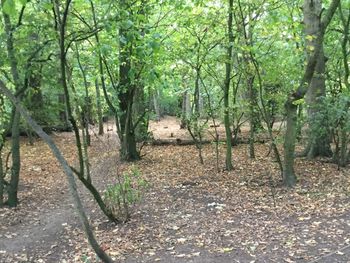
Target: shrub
[(126, 192)]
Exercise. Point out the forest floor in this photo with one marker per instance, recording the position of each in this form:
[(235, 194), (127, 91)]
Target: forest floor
[(189, 213)]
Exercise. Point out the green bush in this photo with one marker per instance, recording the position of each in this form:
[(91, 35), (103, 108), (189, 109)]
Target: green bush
[(126, 192)]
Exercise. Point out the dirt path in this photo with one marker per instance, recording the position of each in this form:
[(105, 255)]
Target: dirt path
[(43, 240)]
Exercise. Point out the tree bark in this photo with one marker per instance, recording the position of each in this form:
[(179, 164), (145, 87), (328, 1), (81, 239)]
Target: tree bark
[(101, 72), (15, 132), (126, 89), (99, 108), (140, 114), (289, 176), (186, 109), (12, 200), (2, 183), (228, 66), (252, 115), (319, 142), (85, 114), (344, 135)]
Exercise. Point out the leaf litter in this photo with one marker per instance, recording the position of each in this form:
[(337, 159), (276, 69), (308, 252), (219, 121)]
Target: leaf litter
[(189, 213)]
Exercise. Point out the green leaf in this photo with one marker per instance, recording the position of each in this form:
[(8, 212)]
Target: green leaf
[(9, 7), (47, 5), (299, 102)]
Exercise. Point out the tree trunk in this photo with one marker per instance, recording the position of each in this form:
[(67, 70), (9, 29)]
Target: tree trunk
[(228, 67), (85, 114), (344, 155), (99, 108), (1, 174), (289, 177), (319, 142), (62, 29), (291, 109), (128, 150), (126, 89), (15, 143), (252, 103), (155, 97), (12, 200), (68, 171), (101, 72), (140, 114)]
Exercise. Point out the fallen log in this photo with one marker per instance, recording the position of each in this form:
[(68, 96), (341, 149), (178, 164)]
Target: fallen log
[(185, 142)]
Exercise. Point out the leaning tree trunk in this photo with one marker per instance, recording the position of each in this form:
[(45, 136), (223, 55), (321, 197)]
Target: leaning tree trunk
[(319, 142), (68, 171)]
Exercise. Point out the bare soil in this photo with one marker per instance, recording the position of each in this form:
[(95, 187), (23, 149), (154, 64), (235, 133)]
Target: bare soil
[(189, 213)]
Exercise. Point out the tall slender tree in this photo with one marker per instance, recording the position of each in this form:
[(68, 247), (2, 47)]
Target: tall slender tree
[(228, 66)]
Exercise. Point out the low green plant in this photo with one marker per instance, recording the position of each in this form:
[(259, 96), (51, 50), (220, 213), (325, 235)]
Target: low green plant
[(127, 191)]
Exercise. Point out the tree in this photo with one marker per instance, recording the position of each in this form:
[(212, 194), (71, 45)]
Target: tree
[(291, 103), (319, 139), (127, 87), (67, 169), (228, 66)]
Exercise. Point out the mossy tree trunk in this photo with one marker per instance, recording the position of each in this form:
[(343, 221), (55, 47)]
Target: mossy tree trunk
[(15, 122), (344, 134), (289, 176), (126, 89), (319, 137), (2, 183)]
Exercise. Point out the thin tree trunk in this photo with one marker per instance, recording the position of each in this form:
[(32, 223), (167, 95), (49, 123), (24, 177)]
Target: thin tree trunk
[(228, 66), (344, 156), (85, 115), (101, 72), (156, 106), (252, 100), (62, 25), (2, 183), (99, 108), (183, 123), (15, 143)]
